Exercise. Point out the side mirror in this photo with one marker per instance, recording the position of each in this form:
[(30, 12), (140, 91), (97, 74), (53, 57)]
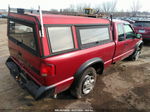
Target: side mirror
[(134, 35), (131, 35), (138, 36)]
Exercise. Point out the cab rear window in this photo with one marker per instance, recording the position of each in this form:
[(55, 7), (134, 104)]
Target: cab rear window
[(22, 33)]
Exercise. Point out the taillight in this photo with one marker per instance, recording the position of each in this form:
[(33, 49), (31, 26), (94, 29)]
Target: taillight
[(47, 70)]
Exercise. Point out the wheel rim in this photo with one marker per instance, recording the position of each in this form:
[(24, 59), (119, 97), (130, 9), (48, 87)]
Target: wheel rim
[(88, 84)]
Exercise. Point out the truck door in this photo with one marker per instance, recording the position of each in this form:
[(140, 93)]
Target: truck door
[(120, 42), (130, 41)]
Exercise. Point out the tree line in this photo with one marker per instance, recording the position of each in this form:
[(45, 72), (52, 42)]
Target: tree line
[(105, 7)]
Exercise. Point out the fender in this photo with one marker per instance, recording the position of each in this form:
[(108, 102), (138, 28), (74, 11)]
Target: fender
[(138, 44), (84, 66), (87, 64)]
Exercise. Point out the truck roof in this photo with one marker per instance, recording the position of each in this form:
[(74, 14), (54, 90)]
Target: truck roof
[(62, 19), (120, 21)]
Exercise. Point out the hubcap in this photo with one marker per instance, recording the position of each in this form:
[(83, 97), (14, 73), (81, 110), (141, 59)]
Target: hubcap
[(88, 84)]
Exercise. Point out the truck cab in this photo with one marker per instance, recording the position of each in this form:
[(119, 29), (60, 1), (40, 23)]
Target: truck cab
[(126, 39)]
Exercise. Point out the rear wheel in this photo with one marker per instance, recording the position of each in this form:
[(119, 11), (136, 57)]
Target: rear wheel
[(85, 84)]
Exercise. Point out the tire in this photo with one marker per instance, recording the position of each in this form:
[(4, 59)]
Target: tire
[(85, 83), (135, 55)]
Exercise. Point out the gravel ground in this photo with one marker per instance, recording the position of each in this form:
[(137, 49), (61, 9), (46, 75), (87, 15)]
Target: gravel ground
[(124, 87)]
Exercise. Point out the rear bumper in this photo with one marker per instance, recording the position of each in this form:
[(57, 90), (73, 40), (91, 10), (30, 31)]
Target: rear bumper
[(26, 82)]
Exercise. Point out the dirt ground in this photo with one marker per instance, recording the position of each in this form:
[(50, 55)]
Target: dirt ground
[(124, 87)]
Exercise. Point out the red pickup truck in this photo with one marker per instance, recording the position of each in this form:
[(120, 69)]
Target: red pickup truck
[(52, 53)]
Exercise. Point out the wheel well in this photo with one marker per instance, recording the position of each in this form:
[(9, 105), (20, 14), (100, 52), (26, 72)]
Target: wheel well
[(141, 46), (99, 67)]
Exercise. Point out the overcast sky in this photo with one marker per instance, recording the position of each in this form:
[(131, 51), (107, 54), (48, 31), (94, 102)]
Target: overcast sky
[(61, 4)]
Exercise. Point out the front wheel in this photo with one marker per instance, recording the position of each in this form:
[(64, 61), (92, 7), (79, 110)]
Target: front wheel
[(136, 57), (136, 54), (85, 84)]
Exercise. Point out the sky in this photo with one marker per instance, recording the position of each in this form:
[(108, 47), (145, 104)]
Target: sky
[(61, 4)]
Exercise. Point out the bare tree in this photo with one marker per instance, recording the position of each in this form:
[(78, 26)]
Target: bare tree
[(72, 8), (54, 10), (108, 6), (135, 7)]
